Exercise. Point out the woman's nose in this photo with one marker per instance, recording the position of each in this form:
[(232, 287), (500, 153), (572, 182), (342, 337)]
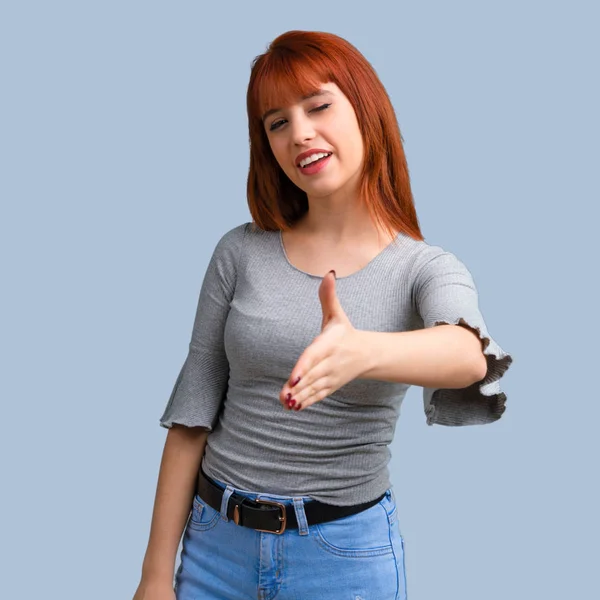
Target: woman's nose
[(302, 130)]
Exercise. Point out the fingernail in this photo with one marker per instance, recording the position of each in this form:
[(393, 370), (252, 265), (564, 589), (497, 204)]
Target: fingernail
[(288, 397), (296, 381), (332, 271), (291, 403)]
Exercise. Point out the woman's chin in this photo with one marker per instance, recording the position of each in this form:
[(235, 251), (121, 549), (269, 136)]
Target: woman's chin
[(319, 188)]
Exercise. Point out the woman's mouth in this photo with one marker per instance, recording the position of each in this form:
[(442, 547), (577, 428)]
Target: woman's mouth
[(316, 165)]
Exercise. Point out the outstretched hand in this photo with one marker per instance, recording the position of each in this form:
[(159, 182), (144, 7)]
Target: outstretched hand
[(334, 358)]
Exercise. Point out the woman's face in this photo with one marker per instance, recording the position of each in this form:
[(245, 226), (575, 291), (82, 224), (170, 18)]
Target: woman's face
[(323, 123)]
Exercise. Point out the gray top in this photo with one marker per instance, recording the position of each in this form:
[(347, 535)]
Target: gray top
[(256, 315)]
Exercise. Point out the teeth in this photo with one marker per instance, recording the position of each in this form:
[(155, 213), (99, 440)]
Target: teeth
[(313, 157)]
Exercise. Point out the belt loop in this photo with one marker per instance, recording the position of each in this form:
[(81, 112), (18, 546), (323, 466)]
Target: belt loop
[(225, 501), (301, 516)]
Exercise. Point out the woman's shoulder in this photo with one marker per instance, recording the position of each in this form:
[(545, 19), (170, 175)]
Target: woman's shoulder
[(247, 229), (412, 254), (241, 240), (423, 253), (233, 238), (234, 233)]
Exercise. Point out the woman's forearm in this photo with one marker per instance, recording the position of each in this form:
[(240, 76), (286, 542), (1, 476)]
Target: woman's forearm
[(446, 356), (179, 467)]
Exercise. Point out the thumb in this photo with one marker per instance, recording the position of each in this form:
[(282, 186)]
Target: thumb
[(330, 304)]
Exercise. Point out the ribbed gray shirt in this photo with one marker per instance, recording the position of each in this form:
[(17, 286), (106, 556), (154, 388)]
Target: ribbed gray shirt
[(256, 315)]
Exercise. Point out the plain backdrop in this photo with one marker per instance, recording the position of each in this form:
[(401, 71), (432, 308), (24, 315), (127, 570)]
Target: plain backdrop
[(123, 160)]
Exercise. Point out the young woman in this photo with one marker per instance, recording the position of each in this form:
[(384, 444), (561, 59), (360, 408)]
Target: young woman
[(313, 321)]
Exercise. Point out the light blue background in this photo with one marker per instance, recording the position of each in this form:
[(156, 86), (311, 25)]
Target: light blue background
[(123, 159)]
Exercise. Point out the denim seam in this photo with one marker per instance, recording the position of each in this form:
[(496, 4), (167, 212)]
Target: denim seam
[(395, 562), (197, 524), (404, 568)]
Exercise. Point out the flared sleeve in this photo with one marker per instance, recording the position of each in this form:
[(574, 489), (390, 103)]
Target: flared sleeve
[(444, 292), (201, 385)]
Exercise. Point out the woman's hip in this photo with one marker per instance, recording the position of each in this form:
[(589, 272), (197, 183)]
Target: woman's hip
[(356, 556)]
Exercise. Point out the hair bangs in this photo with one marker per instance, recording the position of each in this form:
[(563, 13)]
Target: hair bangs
[(285, 78)]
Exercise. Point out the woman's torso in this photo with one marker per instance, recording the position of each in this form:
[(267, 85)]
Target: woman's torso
[(336, 450)]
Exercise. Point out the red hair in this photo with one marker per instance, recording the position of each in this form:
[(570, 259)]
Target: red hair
[(294, 65)]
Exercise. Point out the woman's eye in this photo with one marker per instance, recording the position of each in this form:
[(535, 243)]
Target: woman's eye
[(277, 124)]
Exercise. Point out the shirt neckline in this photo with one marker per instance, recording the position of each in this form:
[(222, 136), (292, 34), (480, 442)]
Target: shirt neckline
[(355, 274)]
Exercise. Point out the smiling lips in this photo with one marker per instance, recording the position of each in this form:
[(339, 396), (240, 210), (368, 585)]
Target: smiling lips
[(304, 156), (313, 161), (315, 166)]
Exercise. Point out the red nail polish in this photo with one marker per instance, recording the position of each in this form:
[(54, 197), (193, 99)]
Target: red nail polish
[(288, 397), (296, 381), (291, 403), (297, 407)]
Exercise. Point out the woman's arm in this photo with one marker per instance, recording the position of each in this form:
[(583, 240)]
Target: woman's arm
[(177, 478), (446, 356)]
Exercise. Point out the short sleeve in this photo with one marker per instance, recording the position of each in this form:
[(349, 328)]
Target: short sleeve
[(444, 292), (201, 384)]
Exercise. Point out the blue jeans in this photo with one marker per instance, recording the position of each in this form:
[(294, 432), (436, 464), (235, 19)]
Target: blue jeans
[(359, 557)]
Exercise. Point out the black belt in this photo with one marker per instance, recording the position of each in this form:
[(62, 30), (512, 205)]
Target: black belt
[(270, 516)]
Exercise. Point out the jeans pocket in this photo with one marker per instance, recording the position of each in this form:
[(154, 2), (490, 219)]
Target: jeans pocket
[(366, 533), (203, 516)]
